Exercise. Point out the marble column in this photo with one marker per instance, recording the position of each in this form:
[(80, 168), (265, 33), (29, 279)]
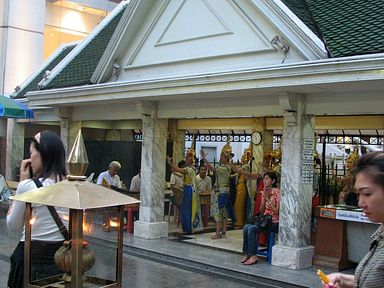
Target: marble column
[(259, 150), (177, 137), (294, 250), (151, 224), (15, 148), (3, 144), (68, 128), (21, 41)]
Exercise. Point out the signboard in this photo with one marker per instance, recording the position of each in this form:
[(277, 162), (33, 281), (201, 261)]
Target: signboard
[(348, 215), (307, 162), (343, 214), (328, 212)]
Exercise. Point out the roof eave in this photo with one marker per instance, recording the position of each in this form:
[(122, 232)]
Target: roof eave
[(326, 71)]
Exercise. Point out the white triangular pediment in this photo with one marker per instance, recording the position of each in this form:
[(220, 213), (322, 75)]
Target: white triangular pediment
[(193, 30), (196, 20), (168, 38)]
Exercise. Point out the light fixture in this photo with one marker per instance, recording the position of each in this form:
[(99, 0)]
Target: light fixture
[(277, 42)]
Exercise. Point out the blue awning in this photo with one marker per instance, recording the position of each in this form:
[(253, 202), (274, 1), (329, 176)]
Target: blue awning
[(10, 108)]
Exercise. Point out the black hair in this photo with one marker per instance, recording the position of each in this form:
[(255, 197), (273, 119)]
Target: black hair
[(52, 154), (181, 164), (372, 164), (272, 175)]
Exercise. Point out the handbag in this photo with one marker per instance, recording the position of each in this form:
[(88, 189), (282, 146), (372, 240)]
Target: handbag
[(41, 254), (261, 220)]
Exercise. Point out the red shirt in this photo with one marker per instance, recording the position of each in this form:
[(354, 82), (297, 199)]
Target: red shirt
[(275, 200)]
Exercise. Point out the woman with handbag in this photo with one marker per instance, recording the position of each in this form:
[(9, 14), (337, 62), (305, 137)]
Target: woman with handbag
[(47, 165), (269, 206)]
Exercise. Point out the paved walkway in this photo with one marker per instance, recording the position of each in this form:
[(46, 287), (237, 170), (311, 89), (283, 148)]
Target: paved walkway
[(138, 271), (173, 262)]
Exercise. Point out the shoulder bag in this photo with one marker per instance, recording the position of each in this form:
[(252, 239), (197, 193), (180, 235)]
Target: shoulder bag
[(263, 221)]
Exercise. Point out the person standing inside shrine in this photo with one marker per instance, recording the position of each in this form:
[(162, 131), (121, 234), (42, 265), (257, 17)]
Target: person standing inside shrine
[(220, 196), (190, 207), (135, 183), (203, 181)]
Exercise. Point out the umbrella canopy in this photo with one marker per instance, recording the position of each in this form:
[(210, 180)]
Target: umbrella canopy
[(75, 195), (10, 108)]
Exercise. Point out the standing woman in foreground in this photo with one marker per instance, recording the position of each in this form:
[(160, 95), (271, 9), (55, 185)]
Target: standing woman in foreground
[(369, 184), (47, 161)]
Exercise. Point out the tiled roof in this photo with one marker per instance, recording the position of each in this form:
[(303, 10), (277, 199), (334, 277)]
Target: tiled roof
[(31, 85), (347, 27), (80, 70)]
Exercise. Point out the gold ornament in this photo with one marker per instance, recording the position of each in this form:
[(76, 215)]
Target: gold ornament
[(227, 149), (247, 155)]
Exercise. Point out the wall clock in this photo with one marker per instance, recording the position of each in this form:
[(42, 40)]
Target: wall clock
[(256, 138)]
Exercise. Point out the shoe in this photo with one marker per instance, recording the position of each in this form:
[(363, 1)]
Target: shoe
[(251, 261)]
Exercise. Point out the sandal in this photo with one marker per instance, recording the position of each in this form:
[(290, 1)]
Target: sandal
[(244, 259), (251, 261), (223, 235)]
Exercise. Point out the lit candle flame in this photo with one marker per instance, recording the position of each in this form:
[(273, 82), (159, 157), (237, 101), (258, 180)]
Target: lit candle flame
[(113, 223), (33, 219)]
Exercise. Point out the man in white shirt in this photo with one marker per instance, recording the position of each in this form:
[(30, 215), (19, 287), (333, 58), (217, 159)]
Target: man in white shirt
[(204, 185), (135, 183), (203, 181), (110, 177)]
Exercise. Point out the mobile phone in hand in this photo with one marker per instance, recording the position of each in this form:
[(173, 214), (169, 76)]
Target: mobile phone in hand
[(30, 171)]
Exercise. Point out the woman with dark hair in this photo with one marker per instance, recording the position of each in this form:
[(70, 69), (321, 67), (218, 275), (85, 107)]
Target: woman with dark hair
[(369, 184), (269, 206), (47, 163)]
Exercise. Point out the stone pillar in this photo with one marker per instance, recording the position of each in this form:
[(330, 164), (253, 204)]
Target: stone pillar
[(259, 150), (68, 128), (3, 144), (294, 250), (151, 224), (177, 137), (15, 149)]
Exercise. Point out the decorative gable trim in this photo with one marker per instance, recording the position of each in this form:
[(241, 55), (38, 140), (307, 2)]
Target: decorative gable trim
[(83, 45), (292, 29)]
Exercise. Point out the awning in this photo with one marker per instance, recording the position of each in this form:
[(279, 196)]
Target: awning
[(10, 108)]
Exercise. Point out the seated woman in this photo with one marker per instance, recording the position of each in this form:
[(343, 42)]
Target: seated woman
[(269, 206)]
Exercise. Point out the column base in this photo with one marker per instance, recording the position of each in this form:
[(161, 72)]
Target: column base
[(292, 258), (150, 230)]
